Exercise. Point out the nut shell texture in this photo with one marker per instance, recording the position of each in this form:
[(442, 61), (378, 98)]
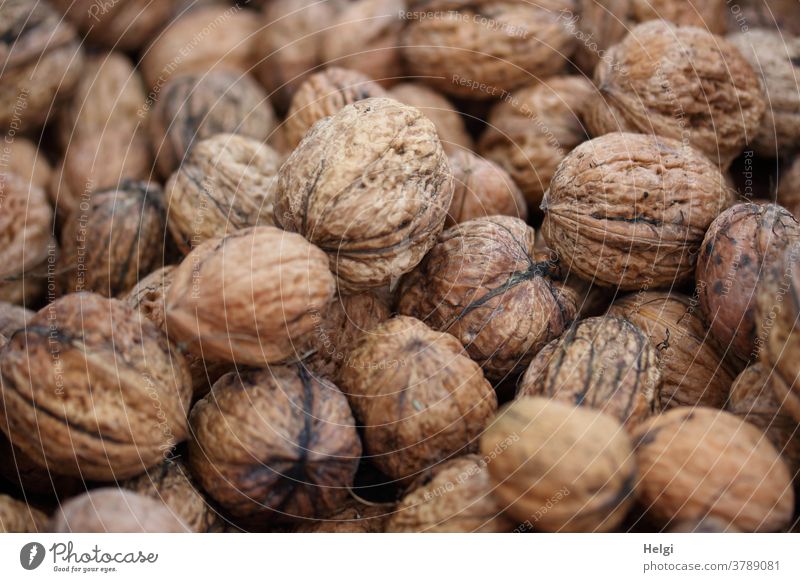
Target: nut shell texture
[(18, 517)]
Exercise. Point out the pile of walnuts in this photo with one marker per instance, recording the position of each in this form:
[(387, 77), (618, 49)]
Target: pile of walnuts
[(399, 266)]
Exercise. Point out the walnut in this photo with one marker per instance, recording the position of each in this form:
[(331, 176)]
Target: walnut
[(776, 59), (249, 298), (452, 497), (555, 467), (753, 399), (739, 246), (274, 445), (13, 317), (19, 517), (444, 115), (369, 185), (697, 463), (225, 183), (172, 484), (26, 240), (119, 24), (419, 397), (631, 210), (484, 284), (92, 391), (481, 50), (192, 108), (324, 94), (605, 363), (113, 239), (789, 187), (661, 79), (201, 40), (531, 131), (355, 517), (22, 158), (42, 60), (364, 35), (112, 510), (693, 370), (482, 188)]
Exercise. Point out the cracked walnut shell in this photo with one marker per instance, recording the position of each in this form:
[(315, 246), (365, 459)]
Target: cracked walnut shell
[(369, 185), (630, 211), (697, 463)]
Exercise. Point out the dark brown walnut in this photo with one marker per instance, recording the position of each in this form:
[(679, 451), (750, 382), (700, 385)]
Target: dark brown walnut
[(370, 186), (354, 517), (191, 108), (694, 371), (119, 24), (480, 50), (776, 59), (482, 188), (773, 14), (249, 298), (290, 43), (338, 327), (26, 240), (171, 483), (436, 107), (112, 510), (531, 131), (682, 83), (630, 211), (484, 283), (753, 398), (93, 391), (699, 463), (225, 183), (13, 317), (113, 239), (201, 40), (324, 94), (789, 187), (18, 517), (42, 60), (606, 363), (740, 245), (453, 497), (419, 397), (275, 444), (559, 468), (23, 158), (364, 35)]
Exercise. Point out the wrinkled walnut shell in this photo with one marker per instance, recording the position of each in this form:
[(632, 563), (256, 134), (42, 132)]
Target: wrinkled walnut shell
[(353, 518), (19, 517)]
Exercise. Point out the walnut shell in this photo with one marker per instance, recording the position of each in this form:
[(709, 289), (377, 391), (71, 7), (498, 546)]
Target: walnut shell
[(19, 517), (13, 317), (606, 363), (353, 518), (444, 115), (702, 463), (92, 391), (420, 399), (693, 370), (172, 484), (201, 40), (789, 187), (42, 60), (192, 108), (371, 186), (556, 467), (324, 94), (630, 210), (274, 444), (24, 159), (249, 298), (482, 188), (26, 240), (452, 497), (225, 183), (682, 83), (531, 131), (112, 510), (482, 50), (739, 246), (484, 284), (753, 399), (776, 60)]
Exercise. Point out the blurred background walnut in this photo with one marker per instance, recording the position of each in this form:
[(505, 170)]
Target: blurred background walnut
[(23, 158), (13, 317), (18, 517), (789, 187)]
